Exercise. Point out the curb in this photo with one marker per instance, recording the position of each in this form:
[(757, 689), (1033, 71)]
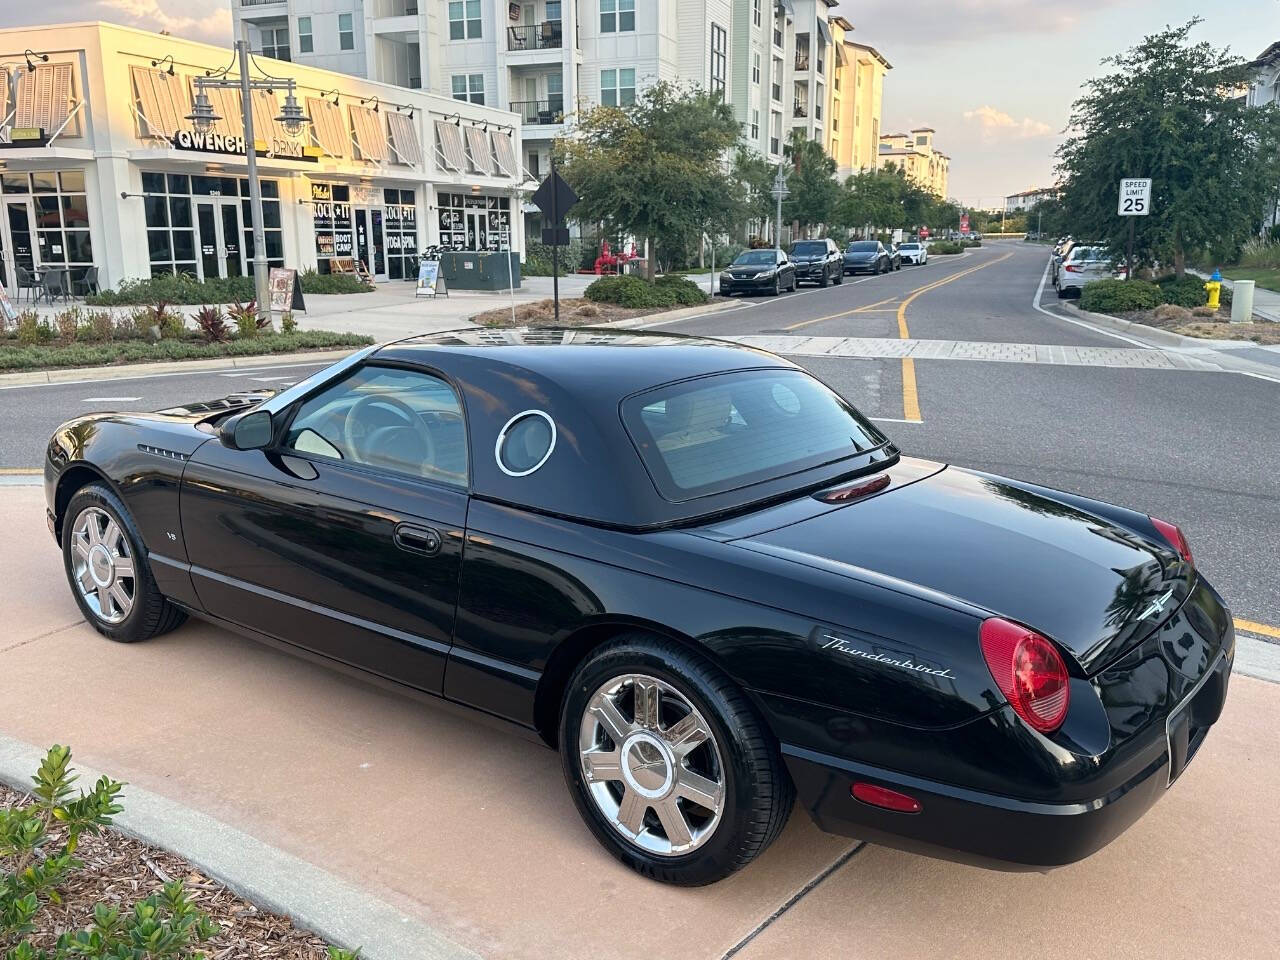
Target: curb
[(272, 879), (670, 316), (134, 370), (1163, 337)]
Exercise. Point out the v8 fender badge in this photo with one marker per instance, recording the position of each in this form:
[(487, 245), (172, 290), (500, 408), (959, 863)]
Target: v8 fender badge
[(833, 643)]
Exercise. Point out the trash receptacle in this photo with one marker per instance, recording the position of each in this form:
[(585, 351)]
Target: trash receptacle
[(1242, 301), (479, 269)]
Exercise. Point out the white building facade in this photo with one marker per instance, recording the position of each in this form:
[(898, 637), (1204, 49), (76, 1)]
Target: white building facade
[(99, 169), (546, 59)]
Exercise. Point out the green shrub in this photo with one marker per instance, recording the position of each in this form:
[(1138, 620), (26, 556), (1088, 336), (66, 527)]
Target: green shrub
[(1119, 296), (1187, 291), (68, 322), (28, 327), (537, 258), (212, 324), (288, 323), (634, 293), (313, 282), (246, 318), (180, 288), (1258, 252), (944, 248), (685, 290)]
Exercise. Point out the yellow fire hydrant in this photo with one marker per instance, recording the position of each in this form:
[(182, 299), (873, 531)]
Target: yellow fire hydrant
[(1214, 287)]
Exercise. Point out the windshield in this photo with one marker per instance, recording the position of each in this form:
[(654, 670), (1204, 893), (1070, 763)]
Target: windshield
[(811, 249), (910, 246), (755, 257), (728, 431), (862, 246)]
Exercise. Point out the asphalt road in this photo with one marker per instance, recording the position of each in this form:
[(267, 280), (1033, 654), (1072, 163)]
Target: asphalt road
[(1191, 446)]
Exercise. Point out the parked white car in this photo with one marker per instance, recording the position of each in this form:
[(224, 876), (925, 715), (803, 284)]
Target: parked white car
[(913, 252), (1083, 264)]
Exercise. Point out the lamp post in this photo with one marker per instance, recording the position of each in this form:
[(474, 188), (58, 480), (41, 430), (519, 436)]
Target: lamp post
[(292, 118), (779, 192)]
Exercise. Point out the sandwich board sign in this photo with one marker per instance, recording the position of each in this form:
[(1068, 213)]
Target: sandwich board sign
[(286, 290), (430, 283), (1135, 197)]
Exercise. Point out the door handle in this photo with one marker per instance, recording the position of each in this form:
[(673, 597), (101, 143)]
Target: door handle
[(424, 540)]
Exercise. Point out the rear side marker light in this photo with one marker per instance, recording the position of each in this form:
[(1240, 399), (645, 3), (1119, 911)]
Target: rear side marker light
[(885, 798), (1029, 672), (1177, 539)]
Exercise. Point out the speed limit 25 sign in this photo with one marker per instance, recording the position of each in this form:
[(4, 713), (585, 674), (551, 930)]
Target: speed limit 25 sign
[(1135, 197)]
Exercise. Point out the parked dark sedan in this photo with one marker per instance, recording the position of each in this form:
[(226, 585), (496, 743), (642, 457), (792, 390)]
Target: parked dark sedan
[(758, 271), (866, 256), (817, 261), (692, 568)]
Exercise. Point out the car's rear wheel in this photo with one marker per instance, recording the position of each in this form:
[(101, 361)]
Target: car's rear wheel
[(839, 278), (777, 286), (106, 565), (668, 762), (826, 278)]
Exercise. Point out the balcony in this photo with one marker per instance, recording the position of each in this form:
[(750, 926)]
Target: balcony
[(800, 109), (802, 61), (776, 92), (547, 35), (260, 3), (540, 113)]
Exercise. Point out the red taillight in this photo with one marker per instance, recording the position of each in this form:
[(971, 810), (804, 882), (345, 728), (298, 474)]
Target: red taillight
[(884, 797), (1071, 268), (1029, 671), (1175, 537)]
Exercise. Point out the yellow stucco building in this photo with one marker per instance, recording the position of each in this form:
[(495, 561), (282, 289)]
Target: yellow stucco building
[(916, 154), (855, 91)]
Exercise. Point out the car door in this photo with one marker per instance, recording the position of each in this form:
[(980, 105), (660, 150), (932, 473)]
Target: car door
[(344, 536), (786, 272)]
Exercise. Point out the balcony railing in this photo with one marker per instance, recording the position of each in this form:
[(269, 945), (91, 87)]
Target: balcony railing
[(802, 61), (540, 112), (258, 3), (547, 35), (800, 109)]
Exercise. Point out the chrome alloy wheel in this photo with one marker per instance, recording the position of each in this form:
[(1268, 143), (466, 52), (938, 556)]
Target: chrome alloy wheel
[(102, 565), (652, 765)]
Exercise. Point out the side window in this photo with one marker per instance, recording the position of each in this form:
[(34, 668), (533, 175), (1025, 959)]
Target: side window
[(403, 421)]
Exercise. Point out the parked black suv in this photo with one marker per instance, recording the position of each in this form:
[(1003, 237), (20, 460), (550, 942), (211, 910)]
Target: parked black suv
[(817, 261)]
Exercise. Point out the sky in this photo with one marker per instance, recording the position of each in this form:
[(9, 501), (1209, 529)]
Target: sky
[(995, 78)]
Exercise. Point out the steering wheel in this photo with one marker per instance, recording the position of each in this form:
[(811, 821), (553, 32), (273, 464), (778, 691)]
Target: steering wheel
[(356, 442)]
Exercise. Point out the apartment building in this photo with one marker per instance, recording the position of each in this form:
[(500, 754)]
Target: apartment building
[(776, 61), (856, 94), (915, 154), (1017, 202)]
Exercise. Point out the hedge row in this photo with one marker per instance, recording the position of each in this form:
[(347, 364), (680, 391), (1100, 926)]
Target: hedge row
[(631, 291)]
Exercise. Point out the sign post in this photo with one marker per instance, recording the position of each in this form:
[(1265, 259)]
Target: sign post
[(1135, 201), (554, 198)]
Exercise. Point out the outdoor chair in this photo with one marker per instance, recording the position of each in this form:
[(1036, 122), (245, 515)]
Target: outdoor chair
[(54, 283), (87, 284), (27, 281)]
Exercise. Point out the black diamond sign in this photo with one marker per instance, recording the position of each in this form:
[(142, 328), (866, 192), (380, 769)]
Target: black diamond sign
[(554, 198)]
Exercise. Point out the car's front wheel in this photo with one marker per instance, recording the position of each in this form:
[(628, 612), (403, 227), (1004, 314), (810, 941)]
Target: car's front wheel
[(107, 568), (668, 762)]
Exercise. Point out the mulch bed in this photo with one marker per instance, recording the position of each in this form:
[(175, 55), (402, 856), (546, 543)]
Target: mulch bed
[(120, 870), (1209, 328), (575, 312)]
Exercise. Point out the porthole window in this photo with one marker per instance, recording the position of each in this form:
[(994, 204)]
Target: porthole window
[(525, 443)]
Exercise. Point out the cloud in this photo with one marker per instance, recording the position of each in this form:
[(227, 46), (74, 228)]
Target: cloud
[(948, 22), (205, 20), (998, 125)]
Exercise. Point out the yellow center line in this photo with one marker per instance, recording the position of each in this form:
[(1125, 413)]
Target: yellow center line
[(910, 395), (1249, 626)]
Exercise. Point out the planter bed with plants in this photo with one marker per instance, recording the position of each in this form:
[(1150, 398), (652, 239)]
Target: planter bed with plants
[(71, 886), (183, 288), (92, 338), (605, 301), (1177, 304)]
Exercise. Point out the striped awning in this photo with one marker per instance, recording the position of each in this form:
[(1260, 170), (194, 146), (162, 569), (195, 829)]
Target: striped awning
[(405, 147), (370, 138), (504, 152), (4, 93), (824, 30), (326, 126), (449, 142), (162, 101), (44, 97), (265, 110), (479, 150)]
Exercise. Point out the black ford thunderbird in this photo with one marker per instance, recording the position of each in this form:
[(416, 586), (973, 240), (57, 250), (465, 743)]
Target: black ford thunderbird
[(692, 568)]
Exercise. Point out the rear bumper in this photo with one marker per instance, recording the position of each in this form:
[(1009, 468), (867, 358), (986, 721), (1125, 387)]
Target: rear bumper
[(1004, 833)]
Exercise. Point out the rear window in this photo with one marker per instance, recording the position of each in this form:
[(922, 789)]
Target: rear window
[(728, 431), (1087, 253), (863, 246)]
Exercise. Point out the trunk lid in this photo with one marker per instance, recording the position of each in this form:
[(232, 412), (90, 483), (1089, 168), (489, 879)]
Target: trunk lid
[(1090, 584)]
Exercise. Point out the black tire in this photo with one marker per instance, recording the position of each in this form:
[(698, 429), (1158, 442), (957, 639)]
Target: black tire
[(826, 278), (839, 277), (152, 614), (1062, 293), (777, 286), (758, 793)]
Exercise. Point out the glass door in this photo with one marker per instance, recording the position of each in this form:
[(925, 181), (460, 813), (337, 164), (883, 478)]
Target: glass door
[(219, 238), (17, 242), (362, 236), (477, 230), (378, 237)]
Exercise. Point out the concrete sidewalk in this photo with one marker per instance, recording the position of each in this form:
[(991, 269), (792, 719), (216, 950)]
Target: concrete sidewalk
[(471, 832)]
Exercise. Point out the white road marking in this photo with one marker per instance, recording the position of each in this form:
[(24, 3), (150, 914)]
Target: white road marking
[(893, 420), (268, 379), (160, 376), (109, 399)]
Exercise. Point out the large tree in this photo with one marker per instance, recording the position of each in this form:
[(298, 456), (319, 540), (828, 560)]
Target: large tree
[(813, 190), (1170, 110), (656, 168)]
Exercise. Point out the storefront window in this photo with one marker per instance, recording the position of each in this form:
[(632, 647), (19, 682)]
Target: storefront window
[(176, 240), (332, 205), (47, 220), (474, 222), (402, 234)]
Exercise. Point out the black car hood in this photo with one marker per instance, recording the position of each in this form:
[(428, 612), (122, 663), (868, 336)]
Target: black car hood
[(861, 256), (1093, 586)]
